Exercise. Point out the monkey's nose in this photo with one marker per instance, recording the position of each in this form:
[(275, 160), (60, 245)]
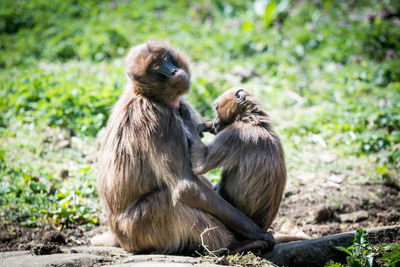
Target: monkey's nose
[(173, 71)]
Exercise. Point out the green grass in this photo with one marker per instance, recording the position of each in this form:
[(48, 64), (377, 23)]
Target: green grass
[(329, 77)]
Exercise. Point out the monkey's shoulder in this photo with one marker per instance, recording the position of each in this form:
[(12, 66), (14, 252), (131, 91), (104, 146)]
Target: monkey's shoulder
[(140, 124), (246, 133), (147, 115)]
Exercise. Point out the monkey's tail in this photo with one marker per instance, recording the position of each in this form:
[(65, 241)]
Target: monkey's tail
[(281, 238)]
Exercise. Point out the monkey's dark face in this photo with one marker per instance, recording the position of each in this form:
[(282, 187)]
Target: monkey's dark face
[(160, 73)]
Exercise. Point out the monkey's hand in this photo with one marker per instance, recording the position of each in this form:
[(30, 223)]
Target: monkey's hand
[(270, 240), (251, 245)]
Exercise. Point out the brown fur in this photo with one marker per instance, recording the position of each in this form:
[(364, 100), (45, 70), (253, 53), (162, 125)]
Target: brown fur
[(153, 200), (254, 173)]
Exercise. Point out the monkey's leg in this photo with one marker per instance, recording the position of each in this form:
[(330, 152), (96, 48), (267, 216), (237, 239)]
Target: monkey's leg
[(155, 224)]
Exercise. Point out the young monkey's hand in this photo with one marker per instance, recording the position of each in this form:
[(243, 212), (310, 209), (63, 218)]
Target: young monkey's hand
[(205, 127)]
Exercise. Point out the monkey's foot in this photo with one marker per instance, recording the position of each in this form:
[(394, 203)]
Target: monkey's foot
[(106, 239), (252, 245)]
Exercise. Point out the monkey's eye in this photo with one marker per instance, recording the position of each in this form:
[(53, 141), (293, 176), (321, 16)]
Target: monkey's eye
[(155, 66), (164, 56)]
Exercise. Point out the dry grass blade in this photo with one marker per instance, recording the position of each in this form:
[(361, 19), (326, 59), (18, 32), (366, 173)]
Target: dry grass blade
[(212, 253)]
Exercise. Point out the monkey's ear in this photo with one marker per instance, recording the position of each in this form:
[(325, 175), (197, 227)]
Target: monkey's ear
[(240, 96), (131, 75)]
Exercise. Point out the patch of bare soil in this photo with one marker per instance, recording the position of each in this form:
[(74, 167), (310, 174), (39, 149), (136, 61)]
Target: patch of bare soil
[(321, 207), (40, 241)]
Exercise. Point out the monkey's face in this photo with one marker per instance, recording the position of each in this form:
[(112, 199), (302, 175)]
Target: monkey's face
[(159, 72)]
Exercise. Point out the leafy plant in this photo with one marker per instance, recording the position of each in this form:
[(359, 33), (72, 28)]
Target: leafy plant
[(361, 253)]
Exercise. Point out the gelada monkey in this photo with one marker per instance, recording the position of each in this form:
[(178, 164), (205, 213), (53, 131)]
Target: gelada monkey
[(249, 151), (153, 200)]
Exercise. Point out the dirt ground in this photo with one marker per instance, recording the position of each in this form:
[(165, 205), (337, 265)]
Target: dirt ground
[(312, 206), (336, 209)]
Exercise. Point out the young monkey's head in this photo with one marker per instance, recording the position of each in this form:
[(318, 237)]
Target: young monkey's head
[(158, 72), (234, 103)]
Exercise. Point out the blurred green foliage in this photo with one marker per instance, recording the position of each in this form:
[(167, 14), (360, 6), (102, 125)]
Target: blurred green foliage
[(32, 193), (327, 71)]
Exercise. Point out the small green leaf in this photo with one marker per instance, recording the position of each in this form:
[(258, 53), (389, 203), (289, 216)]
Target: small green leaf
[(369, 259), (269, 12), (347, 251), (247, 25), (85, 170)]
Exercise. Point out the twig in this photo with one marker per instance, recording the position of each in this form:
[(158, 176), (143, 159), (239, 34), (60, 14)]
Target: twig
[(205, 247)]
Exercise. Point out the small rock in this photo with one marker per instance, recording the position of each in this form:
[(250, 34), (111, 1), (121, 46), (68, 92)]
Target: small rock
[(336, 178), (63, 144), (45, 249), (354, 216), (326, 157), (332, 184), (54, 237)]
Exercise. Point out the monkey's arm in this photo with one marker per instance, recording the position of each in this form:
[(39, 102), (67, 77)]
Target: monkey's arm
[(217, 154), (212, 127), (204, 158), (190, 113)]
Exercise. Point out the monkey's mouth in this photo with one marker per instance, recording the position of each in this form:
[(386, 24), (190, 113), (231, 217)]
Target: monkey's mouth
[(175, 103), (180, 81)]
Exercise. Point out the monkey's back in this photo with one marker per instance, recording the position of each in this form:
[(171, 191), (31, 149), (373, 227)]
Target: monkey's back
[(135, 132), (254, 178)]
